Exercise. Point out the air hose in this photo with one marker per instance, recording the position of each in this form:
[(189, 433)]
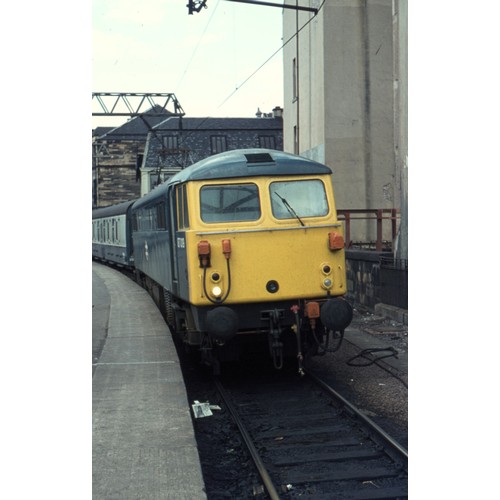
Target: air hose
[(325, 349), (363, 354)]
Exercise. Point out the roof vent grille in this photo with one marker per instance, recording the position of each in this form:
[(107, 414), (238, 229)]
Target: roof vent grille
[(259, 158)]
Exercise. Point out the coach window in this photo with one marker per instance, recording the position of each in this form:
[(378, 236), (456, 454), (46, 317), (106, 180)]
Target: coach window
[(305, 198), (230, 203)]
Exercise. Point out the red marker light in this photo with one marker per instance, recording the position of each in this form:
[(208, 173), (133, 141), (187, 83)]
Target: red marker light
[(204, 253), (335, 241), (226, 248)]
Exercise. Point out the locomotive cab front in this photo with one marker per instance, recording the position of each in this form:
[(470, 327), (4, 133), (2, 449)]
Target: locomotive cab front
[(263, 244)]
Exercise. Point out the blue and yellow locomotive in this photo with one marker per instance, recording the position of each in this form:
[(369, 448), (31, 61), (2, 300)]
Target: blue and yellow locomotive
[(244, 250)]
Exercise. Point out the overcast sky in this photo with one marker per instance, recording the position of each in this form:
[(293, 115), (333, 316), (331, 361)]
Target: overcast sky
[(156, 46)]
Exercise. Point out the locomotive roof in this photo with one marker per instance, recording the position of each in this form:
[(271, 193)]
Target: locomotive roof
[(240, 163), (249, 163), (119, 209)]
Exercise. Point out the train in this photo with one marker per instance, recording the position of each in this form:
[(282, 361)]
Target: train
[(242, 252)]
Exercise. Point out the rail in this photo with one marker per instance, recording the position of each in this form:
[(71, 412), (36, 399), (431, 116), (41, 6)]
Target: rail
[(261, 468), (379, 215), (359, 414)]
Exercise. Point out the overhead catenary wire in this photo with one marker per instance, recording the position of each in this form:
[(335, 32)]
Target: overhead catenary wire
[(197, 45), (185, 136), (238, 87)]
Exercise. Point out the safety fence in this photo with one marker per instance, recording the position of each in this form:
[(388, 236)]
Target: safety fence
[(378, 216)]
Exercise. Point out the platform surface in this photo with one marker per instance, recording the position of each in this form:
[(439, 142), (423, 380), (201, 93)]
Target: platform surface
[(143, 443)]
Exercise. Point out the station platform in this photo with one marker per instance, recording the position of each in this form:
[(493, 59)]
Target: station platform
[(143, 443)]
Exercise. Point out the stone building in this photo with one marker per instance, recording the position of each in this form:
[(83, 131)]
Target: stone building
[(178, 142), (117, 155), (130, 160)]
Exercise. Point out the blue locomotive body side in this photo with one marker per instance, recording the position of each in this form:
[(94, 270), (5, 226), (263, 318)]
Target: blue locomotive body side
[(151, 236), (158, 243)]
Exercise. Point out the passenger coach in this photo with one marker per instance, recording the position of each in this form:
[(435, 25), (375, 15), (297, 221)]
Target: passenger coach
[(111, 234)]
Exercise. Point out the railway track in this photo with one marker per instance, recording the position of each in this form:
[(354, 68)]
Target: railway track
[(308, 442)]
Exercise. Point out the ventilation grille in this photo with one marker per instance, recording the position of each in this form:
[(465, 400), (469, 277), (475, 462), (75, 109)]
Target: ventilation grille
[(259, 158)]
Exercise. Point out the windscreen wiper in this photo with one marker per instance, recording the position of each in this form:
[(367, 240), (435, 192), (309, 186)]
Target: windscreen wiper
[(291, 211)]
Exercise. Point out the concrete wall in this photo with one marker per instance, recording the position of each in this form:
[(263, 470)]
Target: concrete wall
[(344, 111), (400, 47)]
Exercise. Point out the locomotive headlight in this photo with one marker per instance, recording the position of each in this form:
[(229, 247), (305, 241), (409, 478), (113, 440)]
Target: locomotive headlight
[(327, 283), (216, 291)]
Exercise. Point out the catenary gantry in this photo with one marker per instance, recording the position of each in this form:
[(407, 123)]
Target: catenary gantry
[(135, 104)]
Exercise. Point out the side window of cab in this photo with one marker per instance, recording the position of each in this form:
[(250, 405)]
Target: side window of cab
[(182, 207)]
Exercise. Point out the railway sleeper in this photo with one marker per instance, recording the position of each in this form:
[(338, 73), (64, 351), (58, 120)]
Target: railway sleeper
[(361, 474), (329, 457), (370, 492)]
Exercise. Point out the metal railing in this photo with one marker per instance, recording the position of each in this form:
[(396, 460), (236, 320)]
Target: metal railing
[(378, 215)]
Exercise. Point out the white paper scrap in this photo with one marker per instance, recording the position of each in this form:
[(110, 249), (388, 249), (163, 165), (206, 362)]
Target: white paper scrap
[(201, 410)]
